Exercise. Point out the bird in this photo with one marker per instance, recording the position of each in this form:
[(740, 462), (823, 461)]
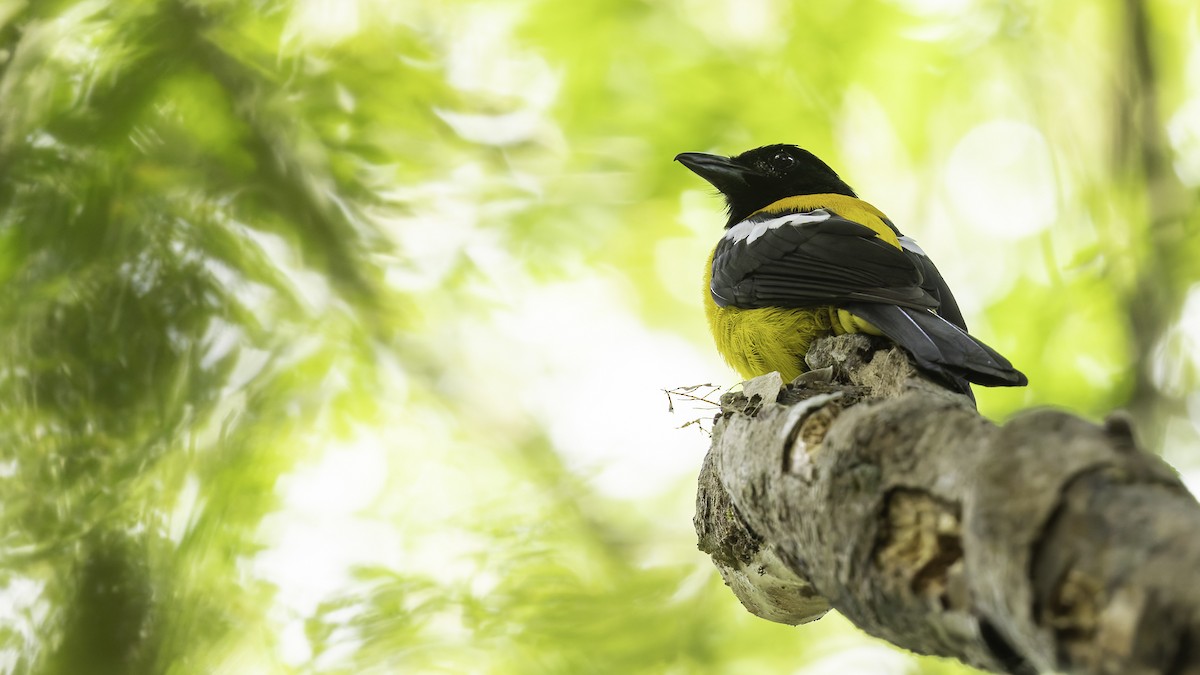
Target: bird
[(802, 257)]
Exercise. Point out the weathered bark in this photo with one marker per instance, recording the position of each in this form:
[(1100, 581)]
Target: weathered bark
[(1048, 543)]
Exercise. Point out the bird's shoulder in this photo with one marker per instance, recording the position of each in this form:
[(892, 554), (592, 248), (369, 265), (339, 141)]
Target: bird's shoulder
[(844, 207), (814, 250)]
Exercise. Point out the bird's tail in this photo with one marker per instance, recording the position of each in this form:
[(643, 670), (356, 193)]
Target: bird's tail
[(941, 348)]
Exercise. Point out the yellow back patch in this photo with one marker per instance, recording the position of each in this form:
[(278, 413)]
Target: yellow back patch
[(850, 208)]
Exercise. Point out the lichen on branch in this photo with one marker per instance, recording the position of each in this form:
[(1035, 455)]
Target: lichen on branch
[(1048, 543)]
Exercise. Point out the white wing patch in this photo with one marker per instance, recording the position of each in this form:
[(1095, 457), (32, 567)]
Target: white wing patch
[(909, 244), (750, 230)]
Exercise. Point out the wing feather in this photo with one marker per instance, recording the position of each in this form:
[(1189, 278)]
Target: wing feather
[(813, 258)]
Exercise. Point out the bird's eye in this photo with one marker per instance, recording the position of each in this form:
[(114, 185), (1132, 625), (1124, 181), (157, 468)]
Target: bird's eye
[(782, 161)]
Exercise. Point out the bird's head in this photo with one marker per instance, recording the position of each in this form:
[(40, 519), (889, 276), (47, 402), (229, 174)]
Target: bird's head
[(761, 176)]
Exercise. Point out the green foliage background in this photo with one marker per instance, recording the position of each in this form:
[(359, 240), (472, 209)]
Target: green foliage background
[(287, 286)]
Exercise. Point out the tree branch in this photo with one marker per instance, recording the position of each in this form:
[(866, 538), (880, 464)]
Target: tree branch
[(1048, 543)]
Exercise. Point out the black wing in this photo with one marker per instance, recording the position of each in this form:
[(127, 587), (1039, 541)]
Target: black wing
[(941, 348), (934, 284), (813, 258)]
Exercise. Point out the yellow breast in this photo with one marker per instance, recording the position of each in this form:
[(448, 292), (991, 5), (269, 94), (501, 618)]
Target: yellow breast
[(759, 341)]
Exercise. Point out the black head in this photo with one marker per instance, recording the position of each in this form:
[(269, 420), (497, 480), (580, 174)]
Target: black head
[(761, 176)]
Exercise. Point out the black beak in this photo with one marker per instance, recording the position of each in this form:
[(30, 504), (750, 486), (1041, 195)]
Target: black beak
[(720, 171)]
